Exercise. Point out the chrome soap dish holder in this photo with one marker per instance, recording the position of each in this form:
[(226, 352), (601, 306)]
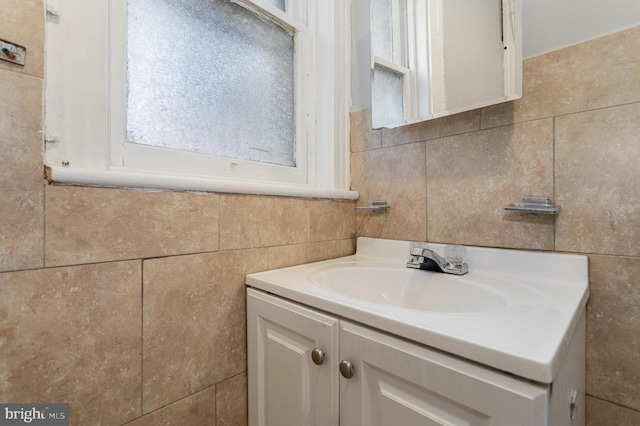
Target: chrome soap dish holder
[(536, 205), (376, 207)]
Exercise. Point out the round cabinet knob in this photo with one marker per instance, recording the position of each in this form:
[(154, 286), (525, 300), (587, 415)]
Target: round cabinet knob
[(317, 355), (346, 369)]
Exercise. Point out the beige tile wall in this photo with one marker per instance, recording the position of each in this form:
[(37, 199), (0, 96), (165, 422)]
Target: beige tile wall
[(103, 292), (21, 209), (129, 305), (72, 334), (147, 318), (574, 137)]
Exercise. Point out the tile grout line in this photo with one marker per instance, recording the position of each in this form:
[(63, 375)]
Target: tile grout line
[(426, 193), (220, 202), (44, 226), (553, 164), (142, 261), (613, 403), (528, 120)]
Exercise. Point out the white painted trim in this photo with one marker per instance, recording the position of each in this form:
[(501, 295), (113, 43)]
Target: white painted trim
[(470, 107), (391, 66), (512, 27), (419, 48), (436, 59), (83, 126), (87, 177), (153, 159), (407, 86), (271, 12), (341, 170), (75, 105)]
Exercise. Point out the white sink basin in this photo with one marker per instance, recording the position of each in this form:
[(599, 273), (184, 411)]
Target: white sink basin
[(513, 311), (409, 288)]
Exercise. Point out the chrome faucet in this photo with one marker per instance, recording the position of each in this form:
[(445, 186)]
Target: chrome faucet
[(423, 258)]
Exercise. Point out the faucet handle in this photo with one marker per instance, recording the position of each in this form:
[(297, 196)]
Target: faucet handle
[(416, 248), (455, 254)]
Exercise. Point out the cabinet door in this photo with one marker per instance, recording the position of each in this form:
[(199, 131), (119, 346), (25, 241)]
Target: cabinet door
[(286, 385), (398, 383)]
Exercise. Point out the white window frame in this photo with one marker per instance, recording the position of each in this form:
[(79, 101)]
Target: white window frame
[(403, 23), (410, 21), (85, 137), (407, 83)]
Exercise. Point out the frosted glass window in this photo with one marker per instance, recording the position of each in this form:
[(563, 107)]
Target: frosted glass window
[(382, 29), (387, 98), (210, 77), (388, 30), (280, 4)]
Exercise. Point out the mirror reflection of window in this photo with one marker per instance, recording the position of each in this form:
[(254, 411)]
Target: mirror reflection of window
[(280, 4), (432, 58), (391, 78), (389, 35), (387, 98)]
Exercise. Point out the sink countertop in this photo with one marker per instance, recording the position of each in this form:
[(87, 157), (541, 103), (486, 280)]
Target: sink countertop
[(526, 337)]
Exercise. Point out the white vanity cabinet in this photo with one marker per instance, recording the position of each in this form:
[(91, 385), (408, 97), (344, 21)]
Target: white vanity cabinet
[(286, 385), (395, 382)]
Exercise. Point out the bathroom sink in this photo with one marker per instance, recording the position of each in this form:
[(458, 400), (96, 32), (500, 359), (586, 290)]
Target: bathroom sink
[(409, 288), (513, 310)]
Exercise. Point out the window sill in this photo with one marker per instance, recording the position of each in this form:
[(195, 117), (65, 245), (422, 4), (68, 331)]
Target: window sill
[(86, 177)]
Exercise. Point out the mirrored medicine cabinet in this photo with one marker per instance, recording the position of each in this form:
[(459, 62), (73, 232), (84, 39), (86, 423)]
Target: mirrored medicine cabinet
[(432, 58)]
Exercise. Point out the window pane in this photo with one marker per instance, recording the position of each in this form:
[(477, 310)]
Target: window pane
[(389, 30), (382, 29), (210, 77), (386, 98), (280, 4)]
